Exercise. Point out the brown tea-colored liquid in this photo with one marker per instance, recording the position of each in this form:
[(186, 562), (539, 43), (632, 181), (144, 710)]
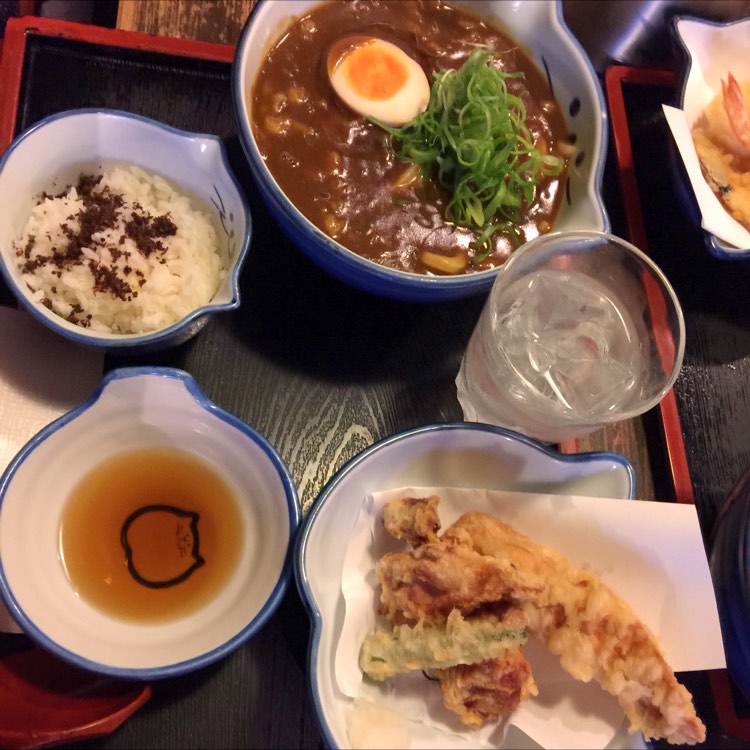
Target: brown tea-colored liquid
[(151, 534)]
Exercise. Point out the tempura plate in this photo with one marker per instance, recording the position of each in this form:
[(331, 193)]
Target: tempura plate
[(455, 454)]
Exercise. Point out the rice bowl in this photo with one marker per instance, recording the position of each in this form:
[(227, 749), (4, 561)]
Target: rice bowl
[(150, 259), (172, 300)]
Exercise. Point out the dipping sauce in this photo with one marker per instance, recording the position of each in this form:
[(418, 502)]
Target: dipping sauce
[(151, 535), (335, 165)]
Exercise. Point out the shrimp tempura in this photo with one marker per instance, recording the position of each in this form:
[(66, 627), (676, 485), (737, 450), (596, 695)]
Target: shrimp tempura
[(594, 633)]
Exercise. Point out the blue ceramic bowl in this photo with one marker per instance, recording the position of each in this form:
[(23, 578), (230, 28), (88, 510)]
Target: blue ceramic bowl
[(707, 51), (92, 138), (142, 408), (539, 27)]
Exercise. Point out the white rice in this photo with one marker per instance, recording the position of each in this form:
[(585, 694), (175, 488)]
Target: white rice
[(166, 285)]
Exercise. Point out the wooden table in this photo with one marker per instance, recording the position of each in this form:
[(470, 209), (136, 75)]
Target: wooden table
[(219, 21), (342, 389)]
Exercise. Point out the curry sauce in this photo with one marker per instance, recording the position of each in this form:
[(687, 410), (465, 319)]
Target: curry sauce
[(336, 166)]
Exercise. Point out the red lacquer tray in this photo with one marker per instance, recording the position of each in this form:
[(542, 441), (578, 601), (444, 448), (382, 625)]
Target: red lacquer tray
[(617, 78)]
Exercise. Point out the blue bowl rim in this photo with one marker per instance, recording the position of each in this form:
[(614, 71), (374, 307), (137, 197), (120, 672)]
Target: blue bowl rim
[(729, 552), (128, 341), (300, 574), (268, 608), (715, 246), (729, 557), (375, 274)]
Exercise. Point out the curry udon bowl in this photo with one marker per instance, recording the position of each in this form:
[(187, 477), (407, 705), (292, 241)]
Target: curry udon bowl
[(146, 533), (183, 175), (539, 30)]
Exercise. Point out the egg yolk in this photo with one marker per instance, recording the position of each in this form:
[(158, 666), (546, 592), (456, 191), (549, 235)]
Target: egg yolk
[(377, 79), (374, 72)]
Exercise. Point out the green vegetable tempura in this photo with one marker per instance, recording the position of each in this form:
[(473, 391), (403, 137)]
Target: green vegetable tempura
[(437, 646)]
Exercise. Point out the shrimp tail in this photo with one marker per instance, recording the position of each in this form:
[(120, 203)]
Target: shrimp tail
[(734, 106)]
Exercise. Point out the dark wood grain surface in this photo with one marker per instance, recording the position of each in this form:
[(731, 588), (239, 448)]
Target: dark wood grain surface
[(222, 21), (217, 21), (320, 369)]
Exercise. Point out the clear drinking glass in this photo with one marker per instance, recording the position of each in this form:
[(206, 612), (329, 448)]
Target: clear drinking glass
[(579, 329)]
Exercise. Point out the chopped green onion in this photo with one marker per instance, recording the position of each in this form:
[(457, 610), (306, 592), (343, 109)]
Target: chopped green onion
[(473, 136)]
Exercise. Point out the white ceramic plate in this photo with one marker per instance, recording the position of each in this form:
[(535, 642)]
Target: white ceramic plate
[(458, 455)]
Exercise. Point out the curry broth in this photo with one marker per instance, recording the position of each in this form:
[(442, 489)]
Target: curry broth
[(333, 164)]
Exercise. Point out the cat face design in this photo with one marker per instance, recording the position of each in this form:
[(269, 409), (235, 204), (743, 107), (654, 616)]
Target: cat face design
[(161, 544)]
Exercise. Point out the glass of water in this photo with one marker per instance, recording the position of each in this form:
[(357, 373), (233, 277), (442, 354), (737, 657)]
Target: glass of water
[(579, 329)]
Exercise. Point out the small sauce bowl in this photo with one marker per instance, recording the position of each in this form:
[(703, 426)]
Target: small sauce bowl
[(139, 408)]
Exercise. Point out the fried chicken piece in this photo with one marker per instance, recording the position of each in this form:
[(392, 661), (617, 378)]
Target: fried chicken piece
[(435, 578), (486, 690), (414, 519), (593, 632), (439, 574)]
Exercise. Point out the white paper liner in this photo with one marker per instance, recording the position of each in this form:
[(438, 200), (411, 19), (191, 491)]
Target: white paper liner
[(42, 376), (715, 50), (649, 553), (714, 217)]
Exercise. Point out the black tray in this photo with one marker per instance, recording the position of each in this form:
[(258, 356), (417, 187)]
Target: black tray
[(708, 439), (713, 389)]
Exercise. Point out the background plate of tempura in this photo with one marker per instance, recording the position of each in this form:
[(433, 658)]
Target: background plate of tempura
[(711, 128)]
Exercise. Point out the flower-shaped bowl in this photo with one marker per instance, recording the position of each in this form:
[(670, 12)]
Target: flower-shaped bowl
[(462, 455), (53, 153), (539, 28), (135, 410)]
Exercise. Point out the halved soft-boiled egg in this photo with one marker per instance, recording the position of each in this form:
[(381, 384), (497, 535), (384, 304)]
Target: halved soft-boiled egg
[(377, 78)]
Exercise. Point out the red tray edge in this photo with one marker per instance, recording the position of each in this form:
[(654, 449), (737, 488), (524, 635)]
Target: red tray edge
[(17, 31), (615, 77)]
